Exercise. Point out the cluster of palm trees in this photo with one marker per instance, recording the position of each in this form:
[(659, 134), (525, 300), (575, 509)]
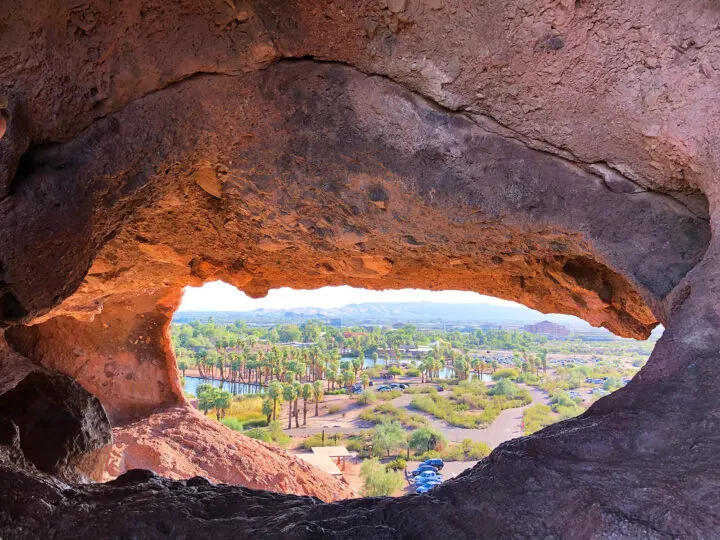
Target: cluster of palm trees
[(291, 392)]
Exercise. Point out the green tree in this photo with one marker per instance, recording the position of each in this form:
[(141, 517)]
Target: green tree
[(307, 393), (206, 397), (389, 436), (377, 480), (348, 378), (365, 378), (223, 399), (425, 439), (267, 409), (275, 391), (289, 393), (182, 366)]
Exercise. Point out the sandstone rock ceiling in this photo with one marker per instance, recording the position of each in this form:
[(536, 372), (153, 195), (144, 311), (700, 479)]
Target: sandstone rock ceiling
[(562, 154)]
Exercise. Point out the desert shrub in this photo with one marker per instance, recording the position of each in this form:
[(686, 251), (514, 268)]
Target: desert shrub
[(475, 450), (256, 423), (377, 480), (271, 435), (505, 387), (395, 371), (505, 373), (333, 409), (367, 397), (467, 450), (387, 396), (412, 372), (397, 464), (246, 409), (233, 423), (259, 434), (432, 454)]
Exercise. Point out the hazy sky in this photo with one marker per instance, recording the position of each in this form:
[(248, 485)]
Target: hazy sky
[(219, 296)]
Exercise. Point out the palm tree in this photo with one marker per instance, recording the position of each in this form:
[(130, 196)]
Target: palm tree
[(297, 386), (307, 393), (348, 378), (317, 394), (288, 391), (375, 359), (267, 408), (275, 391)]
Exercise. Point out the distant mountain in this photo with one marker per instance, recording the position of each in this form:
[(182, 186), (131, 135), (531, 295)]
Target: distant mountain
[(390, 313)]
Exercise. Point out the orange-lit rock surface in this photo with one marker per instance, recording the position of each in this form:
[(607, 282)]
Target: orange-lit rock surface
[(179, 443)]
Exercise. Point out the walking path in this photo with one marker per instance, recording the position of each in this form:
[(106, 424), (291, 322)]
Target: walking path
[(505, 427), (508, 424)]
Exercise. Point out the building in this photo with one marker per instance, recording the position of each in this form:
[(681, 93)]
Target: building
[(549, 329)]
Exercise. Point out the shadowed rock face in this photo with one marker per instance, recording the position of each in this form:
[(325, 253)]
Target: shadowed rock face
[(58, 421), (562, 155)]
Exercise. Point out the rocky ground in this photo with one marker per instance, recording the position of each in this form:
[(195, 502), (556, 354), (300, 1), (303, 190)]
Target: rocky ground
[(181, 443)]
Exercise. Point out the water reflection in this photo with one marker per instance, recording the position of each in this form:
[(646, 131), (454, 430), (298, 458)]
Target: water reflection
[(191, 384)]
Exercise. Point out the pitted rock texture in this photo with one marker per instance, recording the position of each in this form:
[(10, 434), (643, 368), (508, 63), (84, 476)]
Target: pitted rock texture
[(181, 443), (123, 354), (58, 421)]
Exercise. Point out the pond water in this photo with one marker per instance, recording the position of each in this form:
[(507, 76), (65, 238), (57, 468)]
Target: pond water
[(446, 372), (191, 384)]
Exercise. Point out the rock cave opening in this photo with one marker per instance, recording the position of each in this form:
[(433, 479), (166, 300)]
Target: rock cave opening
[(351, 368), (561, 155)]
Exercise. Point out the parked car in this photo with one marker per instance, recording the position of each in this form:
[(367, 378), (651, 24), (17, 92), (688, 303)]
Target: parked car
[(427, 475), (423, 468), (439, 388), (431, 483), (384, 389), (422, 489), (402, 386), (435, 462)]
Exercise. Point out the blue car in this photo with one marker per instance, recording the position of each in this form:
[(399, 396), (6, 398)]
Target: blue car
[(422, 489), (434, 462), (423, 478), (423, 468)]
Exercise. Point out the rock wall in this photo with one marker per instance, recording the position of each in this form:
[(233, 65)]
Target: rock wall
[(562, 154)]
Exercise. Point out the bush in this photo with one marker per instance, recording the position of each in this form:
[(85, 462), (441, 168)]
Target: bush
[(395, 371), (378, 481), (232, 423), (387, 396), (367, 397), (537, 417), (256, 423), (259, 434), (412, 372), (506, 373), (505, 388), (397, 464), (333, 409), (432, 454)]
